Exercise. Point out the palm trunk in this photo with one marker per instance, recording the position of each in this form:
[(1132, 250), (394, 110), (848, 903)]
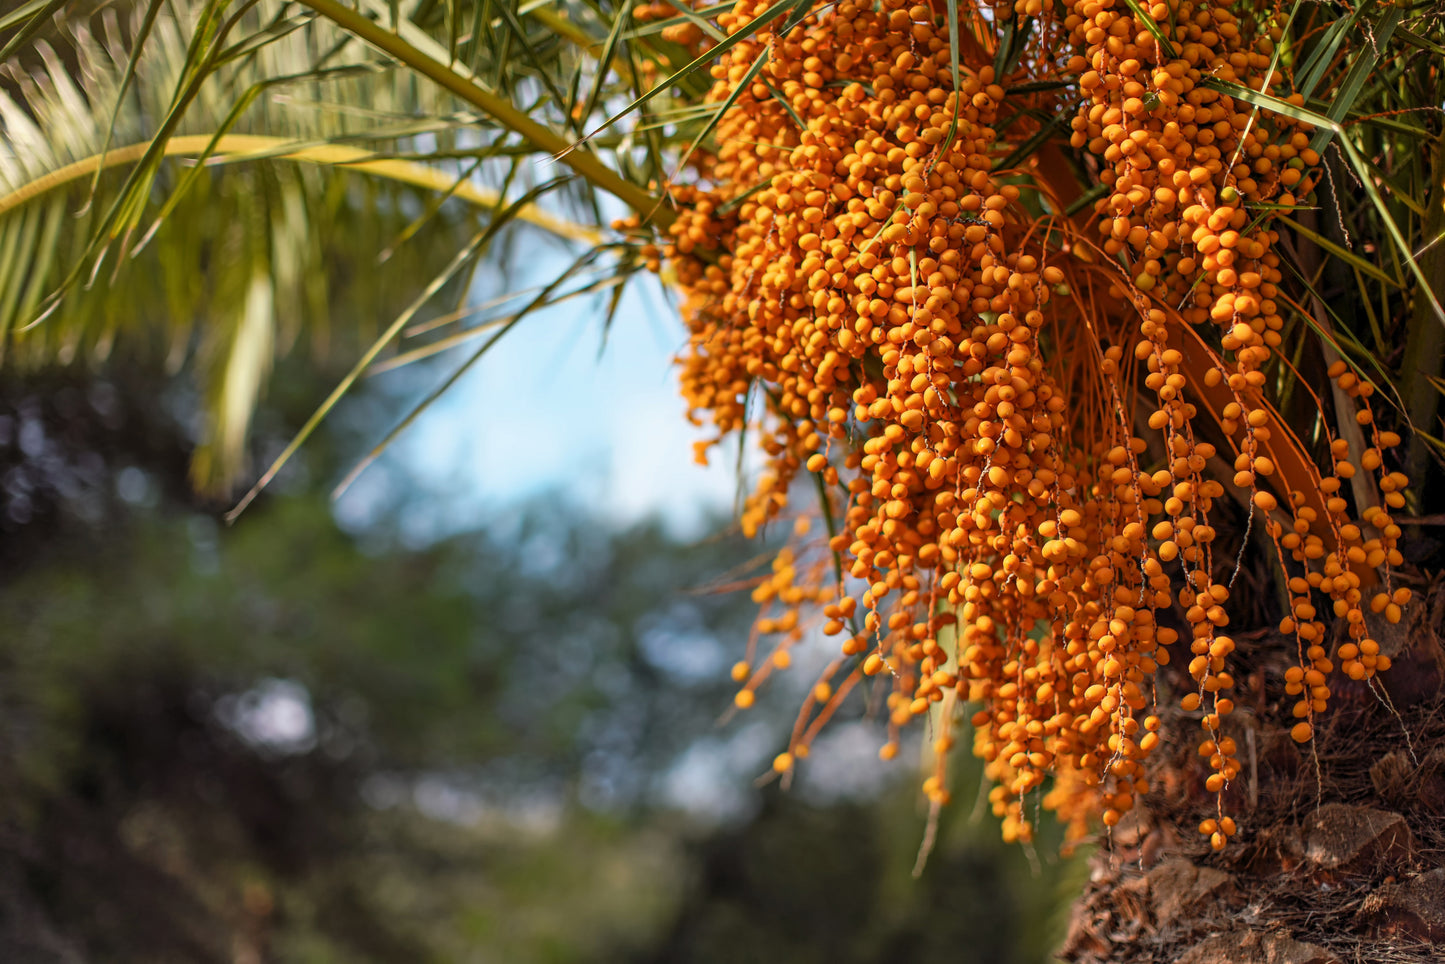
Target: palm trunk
[(1341, 853)]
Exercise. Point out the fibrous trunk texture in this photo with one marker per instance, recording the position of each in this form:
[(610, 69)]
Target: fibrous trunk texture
[(1340, 856)]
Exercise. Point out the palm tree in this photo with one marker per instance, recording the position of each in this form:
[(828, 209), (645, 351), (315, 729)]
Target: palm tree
[(194, 141)]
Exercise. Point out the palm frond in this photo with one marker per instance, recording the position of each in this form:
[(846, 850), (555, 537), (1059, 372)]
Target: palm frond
[(208, 242), (210, 139)]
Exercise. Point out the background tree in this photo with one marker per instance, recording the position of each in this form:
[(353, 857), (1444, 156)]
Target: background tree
[(287, 742)]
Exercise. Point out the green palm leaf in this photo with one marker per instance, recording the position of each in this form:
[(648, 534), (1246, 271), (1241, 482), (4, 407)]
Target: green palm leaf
[(218, 223)]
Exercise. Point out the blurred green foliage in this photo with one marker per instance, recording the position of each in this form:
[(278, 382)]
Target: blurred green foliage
[(284, 742)]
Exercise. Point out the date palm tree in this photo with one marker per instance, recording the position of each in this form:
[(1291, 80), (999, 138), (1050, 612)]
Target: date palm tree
[(172, 175)]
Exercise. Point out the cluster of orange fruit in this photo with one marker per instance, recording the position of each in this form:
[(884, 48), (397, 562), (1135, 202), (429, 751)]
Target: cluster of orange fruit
[(688, 33), (964, 367)]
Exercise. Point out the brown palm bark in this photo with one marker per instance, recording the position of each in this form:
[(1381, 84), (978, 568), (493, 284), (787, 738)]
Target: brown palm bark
[(1341, 853)]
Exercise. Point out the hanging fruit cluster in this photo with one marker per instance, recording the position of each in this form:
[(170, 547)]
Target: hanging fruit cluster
[(1021, 421)]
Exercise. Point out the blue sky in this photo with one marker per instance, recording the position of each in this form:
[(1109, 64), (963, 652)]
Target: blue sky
[(543, 412)]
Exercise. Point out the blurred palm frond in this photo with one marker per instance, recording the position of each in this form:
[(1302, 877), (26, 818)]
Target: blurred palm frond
[(218, 195)]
